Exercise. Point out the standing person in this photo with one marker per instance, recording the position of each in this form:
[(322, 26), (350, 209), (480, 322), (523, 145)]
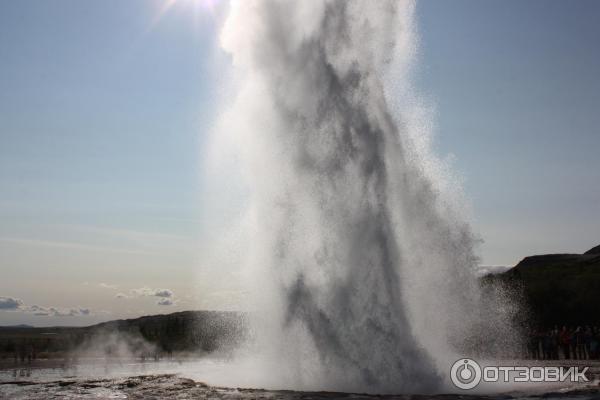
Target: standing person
[(594, 343), (547, 344), (555, 343), (534, 345), (565, 342), (573, 343), (587, 339), (580, 342)]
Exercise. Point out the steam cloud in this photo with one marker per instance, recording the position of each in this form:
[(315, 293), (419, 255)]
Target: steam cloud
[(362, 257)]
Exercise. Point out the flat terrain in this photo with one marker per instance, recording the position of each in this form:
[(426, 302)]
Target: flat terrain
[(175, 387), (130, 379)]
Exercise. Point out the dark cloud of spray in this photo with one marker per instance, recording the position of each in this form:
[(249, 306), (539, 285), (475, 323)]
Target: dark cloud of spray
[(355, 233)]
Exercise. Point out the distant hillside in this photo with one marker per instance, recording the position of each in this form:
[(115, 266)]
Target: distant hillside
[(16, 326), (186, 331), (595, 250), (558, 288)]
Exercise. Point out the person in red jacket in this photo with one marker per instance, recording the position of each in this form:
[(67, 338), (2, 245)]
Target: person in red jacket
[(565, 342)]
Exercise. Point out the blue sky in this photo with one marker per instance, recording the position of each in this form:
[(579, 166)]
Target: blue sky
[(104, 110), (517, 94)]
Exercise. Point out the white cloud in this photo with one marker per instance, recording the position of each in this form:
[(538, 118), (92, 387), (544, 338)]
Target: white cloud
[(166, 296), (17, 305), (165, 302), (85, 311), (56, 311), (10, 303), (146, 291), (107, 286), (163, 293)]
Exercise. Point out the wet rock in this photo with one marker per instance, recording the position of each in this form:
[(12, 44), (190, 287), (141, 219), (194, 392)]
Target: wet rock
[(132, 383)]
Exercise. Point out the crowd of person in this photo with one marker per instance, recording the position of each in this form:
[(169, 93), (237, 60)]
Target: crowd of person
[(575, 343)]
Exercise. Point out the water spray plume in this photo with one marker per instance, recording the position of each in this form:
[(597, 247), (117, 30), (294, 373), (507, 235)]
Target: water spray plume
[(359, 249)]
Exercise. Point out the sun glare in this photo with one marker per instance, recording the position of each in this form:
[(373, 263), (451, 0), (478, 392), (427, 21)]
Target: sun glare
[(196, 6)]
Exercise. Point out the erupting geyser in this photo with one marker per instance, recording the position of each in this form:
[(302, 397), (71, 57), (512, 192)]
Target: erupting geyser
[(360, 253)]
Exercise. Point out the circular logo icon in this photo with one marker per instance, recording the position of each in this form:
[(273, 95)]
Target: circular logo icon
[(465, 373)]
